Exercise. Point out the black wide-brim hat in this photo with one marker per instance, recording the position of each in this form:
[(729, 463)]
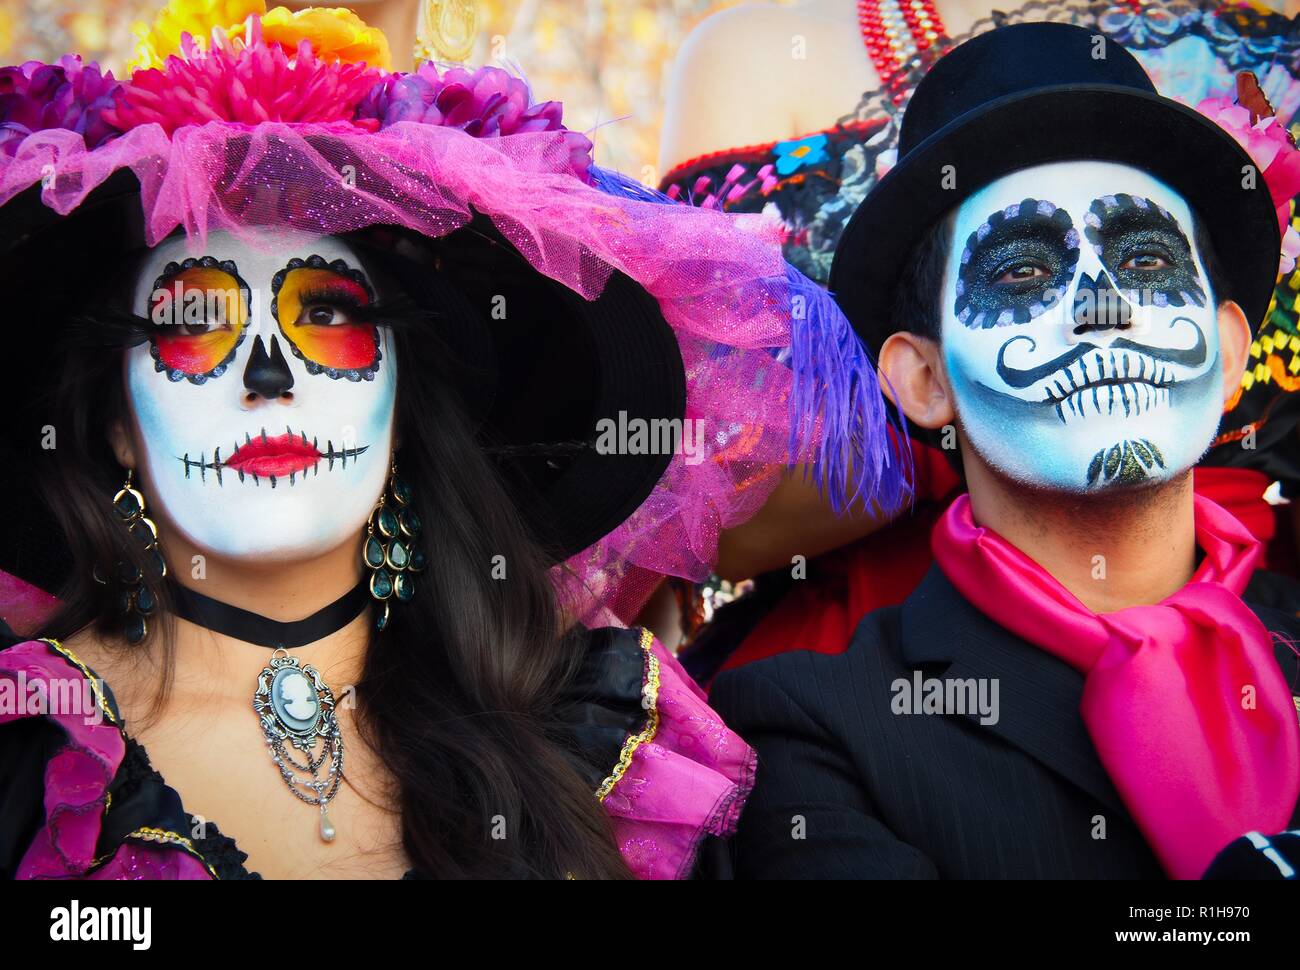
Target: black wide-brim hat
[(535, 383), (1031, 94)]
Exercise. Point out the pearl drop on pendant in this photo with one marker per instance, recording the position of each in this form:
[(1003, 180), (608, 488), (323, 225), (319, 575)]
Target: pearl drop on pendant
[(327, 831)]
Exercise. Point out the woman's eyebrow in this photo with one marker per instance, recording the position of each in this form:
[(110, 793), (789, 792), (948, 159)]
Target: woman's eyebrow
[(350, 263), (348, 268)]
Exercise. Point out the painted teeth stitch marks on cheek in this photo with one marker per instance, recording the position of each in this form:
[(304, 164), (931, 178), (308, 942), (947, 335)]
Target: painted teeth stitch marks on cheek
[(1089, 381), (1033, 234), (273, 457)]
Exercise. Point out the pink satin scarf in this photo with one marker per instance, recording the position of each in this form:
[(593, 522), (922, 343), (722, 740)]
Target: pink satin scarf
[(1166, 695)]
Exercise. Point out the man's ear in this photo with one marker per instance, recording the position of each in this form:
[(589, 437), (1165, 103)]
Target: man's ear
[(120, 441), (914, 379), (1234, 346)]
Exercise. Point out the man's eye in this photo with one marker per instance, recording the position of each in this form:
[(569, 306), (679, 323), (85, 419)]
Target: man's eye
[(1020, 272), (1145, 261)]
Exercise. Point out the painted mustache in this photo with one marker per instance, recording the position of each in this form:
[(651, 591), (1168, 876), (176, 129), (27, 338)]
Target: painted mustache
[(273, 457), (1015, 377)]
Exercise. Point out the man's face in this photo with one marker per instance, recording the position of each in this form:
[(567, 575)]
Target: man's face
[(264, 400), (1079, 332)]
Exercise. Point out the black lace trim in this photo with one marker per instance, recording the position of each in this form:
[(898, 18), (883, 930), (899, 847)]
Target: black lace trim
[(137, 781), (220, 852)]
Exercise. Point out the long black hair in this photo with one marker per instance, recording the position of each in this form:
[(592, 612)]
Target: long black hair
[(460, 695)]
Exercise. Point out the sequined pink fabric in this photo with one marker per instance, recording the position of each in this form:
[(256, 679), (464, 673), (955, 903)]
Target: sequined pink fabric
[(132, 861), (77, 778), (689, 781), (23, 606)]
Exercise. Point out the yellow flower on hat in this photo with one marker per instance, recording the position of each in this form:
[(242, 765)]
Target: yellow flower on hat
[(335, 33), (156, 41)]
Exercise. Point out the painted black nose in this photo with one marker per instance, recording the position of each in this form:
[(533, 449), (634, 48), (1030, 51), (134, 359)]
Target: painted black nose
[(1099, 306), (267, 374)]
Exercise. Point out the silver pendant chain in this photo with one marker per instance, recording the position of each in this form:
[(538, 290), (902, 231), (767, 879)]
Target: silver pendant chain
[(296, 710)]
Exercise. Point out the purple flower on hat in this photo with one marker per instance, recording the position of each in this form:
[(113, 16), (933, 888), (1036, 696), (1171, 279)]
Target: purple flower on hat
[(485, 103), (67, 94)]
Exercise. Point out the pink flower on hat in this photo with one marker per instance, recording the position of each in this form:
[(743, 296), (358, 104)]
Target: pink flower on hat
[(1273, 150), (248, 82)]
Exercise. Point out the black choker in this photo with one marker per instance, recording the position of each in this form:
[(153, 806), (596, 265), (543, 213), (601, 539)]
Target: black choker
[(252, 627)]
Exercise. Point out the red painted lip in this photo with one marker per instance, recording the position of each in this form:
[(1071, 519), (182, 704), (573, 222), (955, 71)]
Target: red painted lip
[(280, 454)]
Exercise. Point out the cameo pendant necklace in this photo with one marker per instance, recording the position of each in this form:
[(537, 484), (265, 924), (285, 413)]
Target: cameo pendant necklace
[(296, 710), (293, 704)]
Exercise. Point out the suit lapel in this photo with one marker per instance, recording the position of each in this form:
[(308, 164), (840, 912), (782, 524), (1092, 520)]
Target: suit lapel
[(1038, 695)]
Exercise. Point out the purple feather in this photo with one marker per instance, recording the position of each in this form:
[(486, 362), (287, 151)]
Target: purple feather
[(839, 418)]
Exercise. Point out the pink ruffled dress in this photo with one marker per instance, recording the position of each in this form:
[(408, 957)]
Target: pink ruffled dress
[(79, 800)]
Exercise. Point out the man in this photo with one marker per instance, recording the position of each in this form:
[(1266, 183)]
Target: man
[(1061, 275)]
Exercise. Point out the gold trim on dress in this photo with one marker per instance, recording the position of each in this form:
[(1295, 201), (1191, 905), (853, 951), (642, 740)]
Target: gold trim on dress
[(650, 701), (163, 837), (76, 661), (151, 833), (146, 833)]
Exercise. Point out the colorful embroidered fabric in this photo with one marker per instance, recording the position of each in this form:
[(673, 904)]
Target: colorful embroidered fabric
[(681, 775), (1192, 50)]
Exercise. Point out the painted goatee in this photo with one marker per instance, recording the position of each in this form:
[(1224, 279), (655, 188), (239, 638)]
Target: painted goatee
[(1127, 463)]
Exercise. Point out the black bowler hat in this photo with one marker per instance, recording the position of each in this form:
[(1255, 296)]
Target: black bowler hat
[(1031, 94)]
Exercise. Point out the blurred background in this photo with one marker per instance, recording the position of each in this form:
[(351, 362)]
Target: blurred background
[(607, 60)]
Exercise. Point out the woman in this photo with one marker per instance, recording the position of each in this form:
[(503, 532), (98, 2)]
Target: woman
[(326, 367)]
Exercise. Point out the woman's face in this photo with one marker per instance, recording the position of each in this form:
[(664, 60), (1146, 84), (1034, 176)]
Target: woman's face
[(263, 400)]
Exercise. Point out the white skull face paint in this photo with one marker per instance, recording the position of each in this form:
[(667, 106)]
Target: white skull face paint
[(1079, 331), (264, 402)]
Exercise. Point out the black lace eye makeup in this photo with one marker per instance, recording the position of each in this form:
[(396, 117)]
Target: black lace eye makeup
[(1144, 250), (1016, 265)]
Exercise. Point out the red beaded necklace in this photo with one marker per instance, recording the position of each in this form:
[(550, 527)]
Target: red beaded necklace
[(898, 33), (902, 35)]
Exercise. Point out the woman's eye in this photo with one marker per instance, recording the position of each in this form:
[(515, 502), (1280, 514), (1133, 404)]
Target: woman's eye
[(195, 329), (1021, 272), (324, 315), (1145, 261)]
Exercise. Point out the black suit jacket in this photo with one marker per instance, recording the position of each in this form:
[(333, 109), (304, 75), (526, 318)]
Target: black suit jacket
[(847, 788)]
